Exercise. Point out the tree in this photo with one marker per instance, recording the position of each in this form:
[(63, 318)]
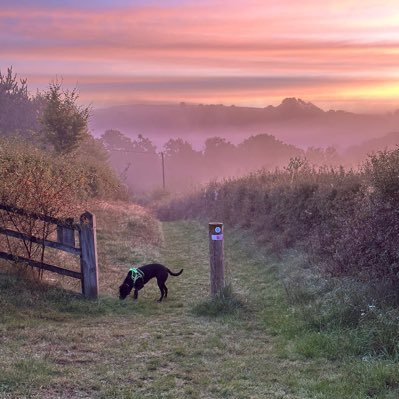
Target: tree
[(182, 164), (114, 140), (320, 156), (265, 151), (64, 123), (179, 149), (220, 158), (144, 144), (218, 147), (18, 110)]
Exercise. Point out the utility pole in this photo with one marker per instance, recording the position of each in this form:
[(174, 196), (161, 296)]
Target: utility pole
[(163, 170)]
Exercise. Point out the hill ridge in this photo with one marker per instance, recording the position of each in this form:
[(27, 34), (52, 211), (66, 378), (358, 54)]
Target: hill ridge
[(294, 121)]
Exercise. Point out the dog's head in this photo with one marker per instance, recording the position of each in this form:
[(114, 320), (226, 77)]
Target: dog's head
[(124, 290), (131, 282)]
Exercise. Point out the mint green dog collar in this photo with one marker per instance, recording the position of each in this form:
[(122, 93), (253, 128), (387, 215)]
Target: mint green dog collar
[(136, 274)]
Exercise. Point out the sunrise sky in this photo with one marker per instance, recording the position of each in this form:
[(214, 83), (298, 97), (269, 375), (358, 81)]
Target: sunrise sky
[(337, 54)]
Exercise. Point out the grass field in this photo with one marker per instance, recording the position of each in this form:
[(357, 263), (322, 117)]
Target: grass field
[(54, 344)]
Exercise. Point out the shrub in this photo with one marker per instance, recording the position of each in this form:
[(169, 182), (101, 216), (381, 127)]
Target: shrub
[(38, 183)]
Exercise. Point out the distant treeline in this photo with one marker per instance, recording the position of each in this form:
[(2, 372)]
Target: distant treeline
[(139, 162)]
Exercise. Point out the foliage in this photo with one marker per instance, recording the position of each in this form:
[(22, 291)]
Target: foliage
[(18, 110), (102, 181), (114, 140), (33, 177), (41, 183), (38, 183), (64, 121)]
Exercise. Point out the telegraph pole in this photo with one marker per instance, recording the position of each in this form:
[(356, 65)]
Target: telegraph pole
[(163, 170)]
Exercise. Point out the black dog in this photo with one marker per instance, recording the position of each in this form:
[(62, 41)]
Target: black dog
[(137, 278)]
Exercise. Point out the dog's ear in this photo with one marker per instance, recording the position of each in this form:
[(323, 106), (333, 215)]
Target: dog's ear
[(129, 274)]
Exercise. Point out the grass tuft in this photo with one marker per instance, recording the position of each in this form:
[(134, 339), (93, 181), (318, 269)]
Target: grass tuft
[(226, 303)]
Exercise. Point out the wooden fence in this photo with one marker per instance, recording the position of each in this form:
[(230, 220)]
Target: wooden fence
[(66, 229)]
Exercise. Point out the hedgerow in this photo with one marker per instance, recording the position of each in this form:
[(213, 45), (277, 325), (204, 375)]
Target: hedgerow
[(346, 221)]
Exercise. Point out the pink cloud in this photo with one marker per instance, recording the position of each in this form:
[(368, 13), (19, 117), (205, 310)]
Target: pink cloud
[(335, 41)]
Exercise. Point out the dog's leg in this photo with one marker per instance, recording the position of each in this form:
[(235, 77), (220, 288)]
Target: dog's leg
[(166, 290), (163, 289), (136, 294)]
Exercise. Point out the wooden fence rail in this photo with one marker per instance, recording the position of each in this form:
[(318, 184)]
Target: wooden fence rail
[(66, 228), (32, 215), (41, 265)]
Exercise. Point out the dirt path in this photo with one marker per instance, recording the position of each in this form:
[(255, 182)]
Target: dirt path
[(231, 356)]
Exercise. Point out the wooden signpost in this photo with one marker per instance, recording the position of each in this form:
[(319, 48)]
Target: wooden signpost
[(216, 257)]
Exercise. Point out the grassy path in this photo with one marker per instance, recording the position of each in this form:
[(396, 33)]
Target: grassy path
[(69, 348)]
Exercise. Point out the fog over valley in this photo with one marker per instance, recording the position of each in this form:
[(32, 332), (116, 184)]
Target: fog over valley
[(294, 121), (200, 143)]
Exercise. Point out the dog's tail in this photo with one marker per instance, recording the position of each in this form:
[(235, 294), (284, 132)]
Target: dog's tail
[(175, 274)]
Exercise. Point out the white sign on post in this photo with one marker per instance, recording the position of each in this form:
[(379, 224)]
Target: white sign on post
[(217, 237)]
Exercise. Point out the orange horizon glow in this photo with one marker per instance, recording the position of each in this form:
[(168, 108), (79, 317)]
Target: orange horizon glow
[(338, 55)]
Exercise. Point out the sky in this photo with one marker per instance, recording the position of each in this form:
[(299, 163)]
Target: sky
[(340, 54)]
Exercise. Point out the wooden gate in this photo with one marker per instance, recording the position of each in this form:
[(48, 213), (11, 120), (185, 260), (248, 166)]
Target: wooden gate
[(66, 228)]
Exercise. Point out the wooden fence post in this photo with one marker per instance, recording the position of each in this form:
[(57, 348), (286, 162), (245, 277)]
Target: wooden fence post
[(216, 257), (66, 235), (88, 258)]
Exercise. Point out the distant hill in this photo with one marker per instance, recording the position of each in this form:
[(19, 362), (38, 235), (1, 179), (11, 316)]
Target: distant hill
[(294, 121)]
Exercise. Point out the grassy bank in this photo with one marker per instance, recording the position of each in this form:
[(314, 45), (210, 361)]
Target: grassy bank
[(56, 345)]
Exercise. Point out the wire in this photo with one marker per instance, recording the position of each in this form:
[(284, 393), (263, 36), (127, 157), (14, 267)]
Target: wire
[(134, 152)]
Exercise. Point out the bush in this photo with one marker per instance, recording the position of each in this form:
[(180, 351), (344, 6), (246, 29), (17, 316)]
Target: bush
[(38, 183)]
